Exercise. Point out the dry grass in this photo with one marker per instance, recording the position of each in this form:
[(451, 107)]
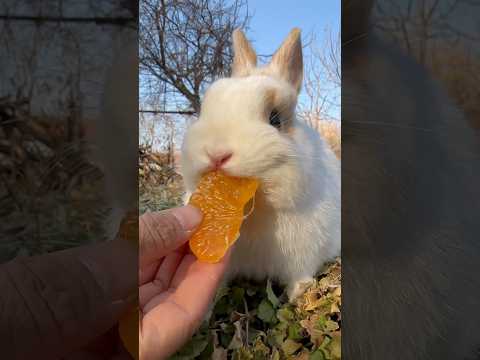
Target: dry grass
[(51, 195), (331, 132), (160, 197), (160, 187)]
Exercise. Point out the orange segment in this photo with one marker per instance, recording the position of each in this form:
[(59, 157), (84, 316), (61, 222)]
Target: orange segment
[(221, 199)]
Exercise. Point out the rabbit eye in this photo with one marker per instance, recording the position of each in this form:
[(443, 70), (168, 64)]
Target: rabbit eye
[(275, 120)]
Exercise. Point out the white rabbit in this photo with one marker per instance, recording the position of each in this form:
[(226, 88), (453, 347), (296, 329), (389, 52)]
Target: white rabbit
[(247, 127)]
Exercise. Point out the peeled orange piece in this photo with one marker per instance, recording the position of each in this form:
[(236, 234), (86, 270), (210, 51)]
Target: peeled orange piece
[(221, 199)]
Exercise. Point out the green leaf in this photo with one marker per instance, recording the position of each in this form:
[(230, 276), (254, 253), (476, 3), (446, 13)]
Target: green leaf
[(225, 339), (276, 335), (295, 332), (253, 334), (193, 348), (208, 351), (251, 290), (242, 354), (275, 354), (238, 295), (330, 325), (271, 295), (224, 290), (336, 348), (321, 322), (223, 307), (260, 350), (285, 315), (289, 346), (265, 312), (225, 334), (317, 355), (325, 342)]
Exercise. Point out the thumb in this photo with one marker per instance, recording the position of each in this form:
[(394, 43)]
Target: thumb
[(162, 232)]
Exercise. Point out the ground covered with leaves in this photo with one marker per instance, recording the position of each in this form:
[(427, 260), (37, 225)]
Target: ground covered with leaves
[(51, 194), (254, 320)]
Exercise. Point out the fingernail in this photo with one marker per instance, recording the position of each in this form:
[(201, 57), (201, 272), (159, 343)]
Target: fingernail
[(188, 216)]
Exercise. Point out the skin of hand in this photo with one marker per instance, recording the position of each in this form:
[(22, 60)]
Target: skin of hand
[(175, 288), (66, 304)]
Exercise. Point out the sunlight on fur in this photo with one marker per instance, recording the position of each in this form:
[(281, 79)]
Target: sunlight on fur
[(296, 220), (331, 132)]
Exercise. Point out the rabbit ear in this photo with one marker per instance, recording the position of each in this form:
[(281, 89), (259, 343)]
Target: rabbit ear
[(244, 58), (287, 62)]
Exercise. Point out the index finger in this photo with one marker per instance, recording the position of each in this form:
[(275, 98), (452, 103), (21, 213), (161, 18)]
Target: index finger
[(162, 232)]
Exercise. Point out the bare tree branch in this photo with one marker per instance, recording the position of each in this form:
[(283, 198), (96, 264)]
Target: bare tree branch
[(185, 45), (322, 80), (416, 24)]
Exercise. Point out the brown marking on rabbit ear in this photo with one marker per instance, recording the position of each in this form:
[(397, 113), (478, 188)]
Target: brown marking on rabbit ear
[(287, 62), (245, 58)]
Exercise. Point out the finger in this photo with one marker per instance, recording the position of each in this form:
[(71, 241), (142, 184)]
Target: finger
[(163, 330), (147, 273), (51, 314), (195, 284), (161, 280), (162, 232), (172, 316), (183, 273)]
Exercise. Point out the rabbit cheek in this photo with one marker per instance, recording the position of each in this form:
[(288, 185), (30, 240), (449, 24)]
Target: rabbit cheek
[(282, 188)]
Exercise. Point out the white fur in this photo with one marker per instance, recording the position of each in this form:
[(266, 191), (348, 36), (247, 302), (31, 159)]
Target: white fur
[(295, 226)]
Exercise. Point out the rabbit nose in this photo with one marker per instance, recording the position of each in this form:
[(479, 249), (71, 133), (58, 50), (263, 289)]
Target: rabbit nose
[(218, 160)]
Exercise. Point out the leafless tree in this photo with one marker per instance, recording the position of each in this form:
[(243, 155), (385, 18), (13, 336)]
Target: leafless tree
[(184, 45), (159, 135), (416, 25), (47, 93), (322, 80), (320, 104), (431, 32)]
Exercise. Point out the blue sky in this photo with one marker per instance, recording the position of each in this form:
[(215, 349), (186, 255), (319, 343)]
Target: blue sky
[(272, 20)]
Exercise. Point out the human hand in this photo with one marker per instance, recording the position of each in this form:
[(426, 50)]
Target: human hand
[(175, 289), (66, 304)]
